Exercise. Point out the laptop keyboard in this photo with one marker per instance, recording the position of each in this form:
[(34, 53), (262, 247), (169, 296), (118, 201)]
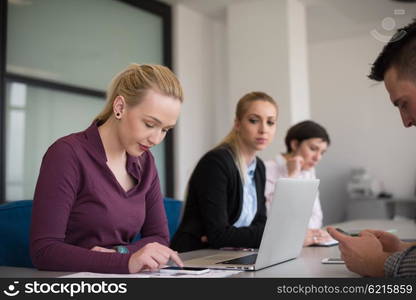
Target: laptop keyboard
[(245, 260)]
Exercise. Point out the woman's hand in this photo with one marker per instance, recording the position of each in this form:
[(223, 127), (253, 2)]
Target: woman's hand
[(294, 165), (153, 256), (316, 236), (101, 249)]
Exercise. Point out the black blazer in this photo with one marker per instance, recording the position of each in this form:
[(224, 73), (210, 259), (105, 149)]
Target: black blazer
[(214, 203)]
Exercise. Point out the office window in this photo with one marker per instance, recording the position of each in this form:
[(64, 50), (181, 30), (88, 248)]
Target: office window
[(60, 58), (78, 42), (36, 117)]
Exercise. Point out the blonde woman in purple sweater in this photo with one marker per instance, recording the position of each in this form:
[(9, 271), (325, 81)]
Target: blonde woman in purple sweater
[(99, 187)]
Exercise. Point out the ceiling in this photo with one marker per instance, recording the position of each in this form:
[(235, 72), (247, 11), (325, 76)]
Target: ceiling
[(212, 8), (329, 19), (334, 19)]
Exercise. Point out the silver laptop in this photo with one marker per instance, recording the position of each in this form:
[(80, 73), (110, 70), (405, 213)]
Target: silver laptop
[(283, 234)]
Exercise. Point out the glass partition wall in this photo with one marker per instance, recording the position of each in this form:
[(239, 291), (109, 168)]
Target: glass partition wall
[(57, 58)]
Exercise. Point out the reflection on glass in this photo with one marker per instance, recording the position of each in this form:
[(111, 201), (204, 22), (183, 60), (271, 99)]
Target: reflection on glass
[(16, 140), (78, 42), (35, 118)]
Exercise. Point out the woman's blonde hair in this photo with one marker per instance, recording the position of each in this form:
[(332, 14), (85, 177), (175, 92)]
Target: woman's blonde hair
[(133, 83), (232, 139)]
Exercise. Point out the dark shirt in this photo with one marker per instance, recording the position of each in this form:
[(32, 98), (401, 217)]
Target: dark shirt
[(214, 202), (79, 204)]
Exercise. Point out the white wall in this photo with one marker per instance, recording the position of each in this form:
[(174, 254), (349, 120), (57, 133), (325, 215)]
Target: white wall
[(198, 56), (298, 62), (221, 122), (365, 129), (260, 36)]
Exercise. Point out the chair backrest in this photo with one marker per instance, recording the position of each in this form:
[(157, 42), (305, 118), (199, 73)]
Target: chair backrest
[(15, 218), (173, 210)]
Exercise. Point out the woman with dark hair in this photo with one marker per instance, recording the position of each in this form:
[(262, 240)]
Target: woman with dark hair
[(225, 204), (306, 142)]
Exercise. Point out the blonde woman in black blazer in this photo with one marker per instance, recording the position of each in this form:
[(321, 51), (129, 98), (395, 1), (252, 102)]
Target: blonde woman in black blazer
[(225, 203)]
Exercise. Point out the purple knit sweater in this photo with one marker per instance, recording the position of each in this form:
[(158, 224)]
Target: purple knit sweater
[(79, 204)]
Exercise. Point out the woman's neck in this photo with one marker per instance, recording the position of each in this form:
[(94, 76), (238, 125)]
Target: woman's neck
[(248, 154), (111, 141)]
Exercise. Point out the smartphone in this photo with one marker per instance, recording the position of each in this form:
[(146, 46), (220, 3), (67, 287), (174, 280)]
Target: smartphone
[(332, 260), (187, 270), (348, 233)]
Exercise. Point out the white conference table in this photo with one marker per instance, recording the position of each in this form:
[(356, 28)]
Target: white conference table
[(308, 264)]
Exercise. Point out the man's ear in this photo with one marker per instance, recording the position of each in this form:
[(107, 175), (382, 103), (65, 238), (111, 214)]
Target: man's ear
[(294, 145)]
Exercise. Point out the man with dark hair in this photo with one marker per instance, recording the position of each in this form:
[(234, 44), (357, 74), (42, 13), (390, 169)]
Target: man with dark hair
[(377, 253)]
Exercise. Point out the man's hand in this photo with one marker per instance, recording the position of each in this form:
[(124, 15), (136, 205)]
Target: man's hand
[(391, 243), (363, 254)]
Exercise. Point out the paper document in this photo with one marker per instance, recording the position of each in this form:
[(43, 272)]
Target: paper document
[(157, 274)]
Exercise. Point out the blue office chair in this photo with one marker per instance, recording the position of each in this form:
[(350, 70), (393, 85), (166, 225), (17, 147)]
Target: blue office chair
[(173, 210), (15, 219)]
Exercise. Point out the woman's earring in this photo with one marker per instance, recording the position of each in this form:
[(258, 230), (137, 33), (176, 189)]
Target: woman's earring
[(118, 115)]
